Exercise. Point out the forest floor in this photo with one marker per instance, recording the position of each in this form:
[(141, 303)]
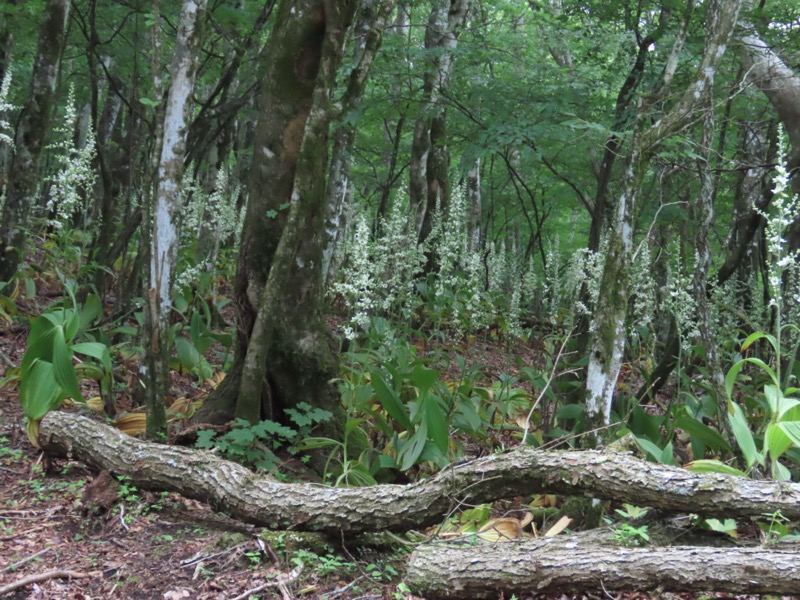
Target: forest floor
[(55, 525)]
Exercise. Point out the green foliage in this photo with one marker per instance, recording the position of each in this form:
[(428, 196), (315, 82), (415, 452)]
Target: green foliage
[(48, 374), (626, 534), (255, 445)]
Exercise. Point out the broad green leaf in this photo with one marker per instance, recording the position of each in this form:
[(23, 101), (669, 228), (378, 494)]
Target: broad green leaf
[(390, 401), (773, 396), (569, 411), (758, 335), (63, 369), (743, 435), (436, 420), (713, 466), (700, 430), (786, 405), (357, 475), (423, 378), (776, 442), (779, 472), (764, 367), (95, 350), (412, 448), (188, 356), (91, 309), (730, 377), (792, 430), (648, 448), (40, 343), (667, 455), (39, 393)]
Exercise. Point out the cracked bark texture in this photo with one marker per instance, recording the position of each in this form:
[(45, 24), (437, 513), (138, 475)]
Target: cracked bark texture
[(573, 564), (237, 491)]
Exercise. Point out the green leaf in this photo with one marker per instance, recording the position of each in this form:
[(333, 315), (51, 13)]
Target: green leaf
[(792, 431), (423, 378), (436, 420), (713, 466), (743, 435), (91, 309), (63, 369), (39, 393), (648, 448), (569, 411), (703, 432), (730, 378), (314, 443), (758, 335), (390, 401), (95, 350), (148, 102), (412, 449), (779, 472), (776, 442), (188, 356)]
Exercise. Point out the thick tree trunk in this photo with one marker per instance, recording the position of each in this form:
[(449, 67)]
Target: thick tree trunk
[(237, 491), (166, 215), (30, 136), (609, 322), (561, 565), (285, 353)]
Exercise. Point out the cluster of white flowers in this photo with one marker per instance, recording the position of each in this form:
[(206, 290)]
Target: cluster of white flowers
[(75, 178), (5, 107), (360, 286), (681, 304), (643, 290)]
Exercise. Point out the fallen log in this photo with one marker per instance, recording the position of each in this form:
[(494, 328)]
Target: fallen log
[(568, 564), (257, 499)]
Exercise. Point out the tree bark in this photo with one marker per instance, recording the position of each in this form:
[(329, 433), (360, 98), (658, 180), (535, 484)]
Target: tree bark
[(367, 36), (429, 183), (30, 137), (570, 564), (609, 321), (285, 352), (166, 215), (258, 499)]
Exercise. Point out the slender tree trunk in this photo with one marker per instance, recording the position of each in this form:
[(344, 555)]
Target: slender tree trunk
[(609, 321), (703, 212), (474, 206), (429, 184), (30, 136), (166, 216), (367, 34)]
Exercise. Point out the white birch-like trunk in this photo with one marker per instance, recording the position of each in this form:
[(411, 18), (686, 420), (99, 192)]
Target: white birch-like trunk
[(166, 211), (608, 325)]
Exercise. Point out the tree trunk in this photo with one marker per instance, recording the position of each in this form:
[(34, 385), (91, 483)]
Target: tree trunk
[(429, 184), (565, 565), (285, 353), (609, 321), (367, 34), (258, 499), (166, 216), (30, 136)]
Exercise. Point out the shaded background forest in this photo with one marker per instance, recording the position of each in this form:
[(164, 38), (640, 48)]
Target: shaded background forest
[(605, 182)]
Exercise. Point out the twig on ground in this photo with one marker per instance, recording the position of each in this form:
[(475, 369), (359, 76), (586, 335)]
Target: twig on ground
[(25, 581), (544, 389), (19, 563), (280, 583)]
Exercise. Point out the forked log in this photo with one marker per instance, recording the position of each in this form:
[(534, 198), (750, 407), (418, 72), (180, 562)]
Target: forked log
[(570, 564), (253, 498)]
